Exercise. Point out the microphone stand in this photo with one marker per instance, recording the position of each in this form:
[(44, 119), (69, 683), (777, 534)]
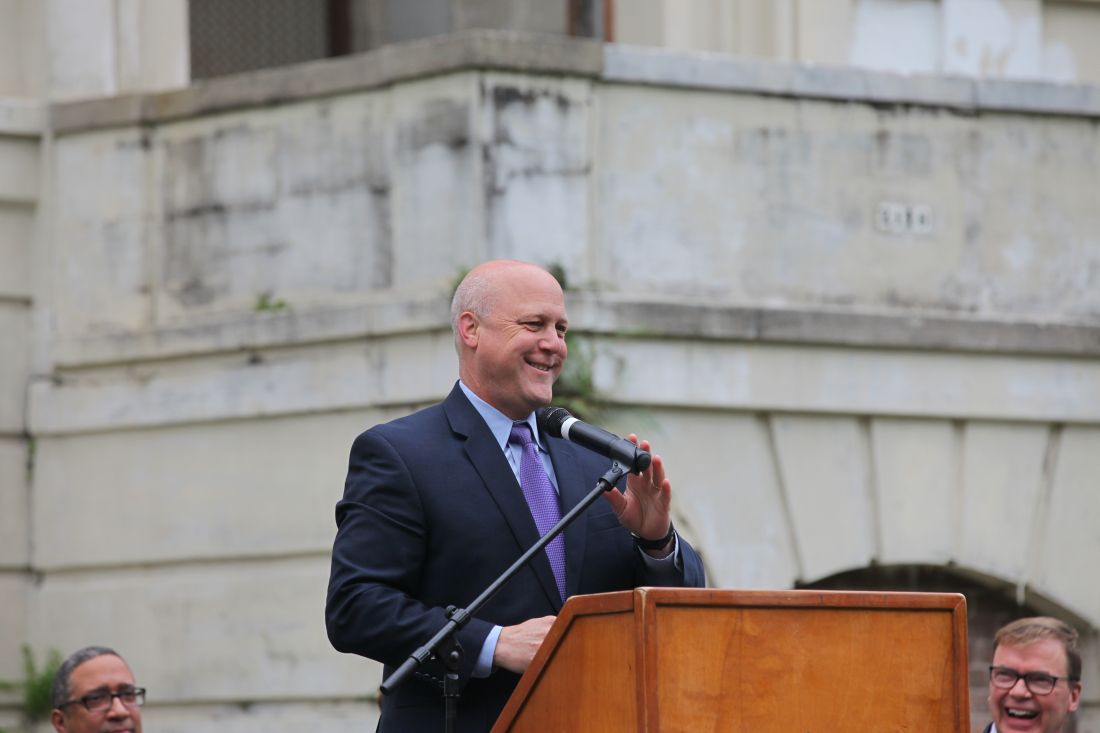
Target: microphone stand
[(444, 647)]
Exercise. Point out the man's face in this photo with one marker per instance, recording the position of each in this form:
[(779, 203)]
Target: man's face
[(519, 346), (1017, 709), (105, 673)]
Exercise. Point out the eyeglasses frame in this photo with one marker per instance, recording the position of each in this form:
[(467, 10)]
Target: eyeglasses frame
[(1024, 676), (137, 692)]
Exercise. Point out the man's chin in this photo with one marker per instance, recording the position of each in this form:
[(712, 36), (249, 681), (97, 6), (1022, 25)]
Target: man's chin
[(540, 396)]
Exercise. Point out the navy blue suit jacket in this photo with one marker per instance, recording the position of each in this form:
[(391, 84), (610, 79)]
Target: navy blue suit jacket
[(431, 515)]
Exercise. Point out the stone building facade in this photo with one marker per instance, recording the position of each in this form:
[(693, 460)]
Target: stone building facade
[(858, 312)]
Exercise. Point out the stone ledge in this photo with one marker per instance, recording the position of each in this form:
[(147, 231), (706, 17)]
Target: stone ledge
[(599, 314), (22, 117), (657, 371), (481, 49), (526, 53), (290, 327), (634, 65), (819, 326)]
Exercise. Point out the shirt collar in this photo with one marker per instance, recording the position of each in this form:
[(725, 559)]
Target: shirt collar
[(500, 425)]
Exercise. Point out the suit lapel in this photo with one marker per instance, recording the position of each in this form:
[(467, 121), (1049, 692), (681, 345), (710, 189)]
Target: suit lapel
[(572, 488), (500, 483)]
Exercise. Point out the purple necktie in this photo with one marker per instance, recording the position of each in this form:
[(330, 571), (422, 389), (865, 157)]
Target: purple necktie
[(541, 498)]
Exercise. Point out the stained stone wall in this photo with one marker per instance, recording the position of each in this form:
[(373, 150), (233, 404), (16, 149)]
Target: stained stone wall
[(859, 314), (20, 130)]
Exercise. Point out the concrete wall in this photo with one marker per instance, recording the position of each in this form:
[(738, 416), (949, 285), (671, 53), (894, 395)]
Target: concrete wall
[(1014, 39), (858, 313), (21, 126), (76, 49)]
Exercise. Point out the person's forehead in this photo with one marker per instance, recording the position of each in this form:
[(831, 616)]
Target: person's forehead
[(106, 670), (1044, 655), (534, 292)]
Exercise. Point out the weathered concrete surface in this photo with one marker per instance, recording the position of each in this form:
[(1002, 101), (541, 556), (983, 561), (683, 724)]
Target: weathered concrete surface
[(775, 202), (389, 65), (399, 370), (1016, 39), (14, 532), (14, 556), (16, 224), (260, 488), (19, 174), (234, 631), (837, 380), (20, 125), (14, 367), (75, 49), (22, 117)]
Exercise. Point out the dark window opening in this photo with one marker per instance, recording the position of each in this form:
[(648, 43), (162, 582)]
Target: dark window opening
[(232, 36)]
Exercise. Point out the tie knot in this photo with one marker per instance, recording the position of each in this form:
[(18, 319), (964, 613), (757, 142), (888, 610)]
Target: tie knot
[(521, 433)]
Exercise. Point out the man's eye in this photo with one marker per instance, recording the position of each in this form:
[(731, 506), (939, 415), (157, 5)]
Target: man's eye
[(533, 325), (96, 697)]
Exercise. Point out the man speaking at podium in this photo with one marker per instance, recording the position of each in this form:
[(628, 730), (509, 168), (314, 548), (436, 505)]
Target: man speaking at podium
[(439, 503)]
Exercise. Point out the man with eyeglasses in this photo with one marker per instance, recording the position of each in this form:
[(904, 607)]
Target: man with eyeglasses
[(93, 692), (1035, 678)]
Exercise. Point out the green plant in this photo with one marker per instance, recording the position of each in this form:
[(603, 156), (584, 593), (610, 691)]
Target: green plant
[(266, 302), (558, 271), (576, 389), (36, 685)]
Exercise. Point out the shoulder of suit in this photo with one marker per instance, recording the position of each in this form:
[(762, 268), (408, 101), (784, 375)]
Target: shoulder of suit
[(411, 425)]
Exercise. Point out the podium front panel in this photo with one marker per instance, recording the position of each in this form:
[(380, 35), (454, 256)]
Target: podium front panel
[(695, 660)]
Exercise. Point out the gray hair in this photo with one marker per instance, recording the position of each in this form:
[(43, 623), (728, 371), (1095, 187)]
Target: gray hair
[(473, 294), (60, 690)]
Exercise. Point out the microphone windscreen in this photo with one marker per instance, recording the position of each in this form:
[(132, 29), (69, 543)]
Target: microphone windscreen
[(551, 419)]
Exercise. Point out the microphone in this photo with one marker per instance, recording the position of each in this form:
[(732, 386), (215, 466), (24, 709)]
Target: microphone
[(557, 422)]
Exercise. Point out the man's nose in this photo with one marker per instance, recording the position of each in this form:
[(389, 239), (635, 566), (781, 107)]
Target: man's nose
[(552, 340), (118, 708), (1020, 689)]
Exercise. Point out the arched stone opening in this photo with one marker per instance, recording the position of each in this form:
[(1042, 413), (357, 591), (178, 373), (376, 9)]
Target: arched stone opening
[(990, 603)]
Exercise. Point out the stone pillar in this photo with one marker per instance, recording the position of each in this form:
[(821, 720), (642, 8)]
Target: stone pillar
[(20, 125), (95, 48)]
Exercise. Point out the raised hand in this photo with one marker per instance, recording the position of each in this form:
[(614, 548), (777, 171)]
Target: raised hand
[(644, 508)]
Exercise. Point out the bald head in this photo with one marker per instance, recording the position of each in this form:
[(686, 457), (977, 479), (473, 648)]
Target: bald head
[(509, 323), (478, 290)]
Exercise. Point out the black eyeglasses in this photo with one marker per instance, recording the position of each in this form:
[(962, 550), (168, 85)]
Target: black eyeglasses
[(1038, 683), (97, 702)]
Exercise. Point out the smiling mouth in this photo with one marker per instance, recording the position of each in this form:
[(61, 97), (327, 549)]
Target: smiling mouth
[(1018, 714), (541, 367)]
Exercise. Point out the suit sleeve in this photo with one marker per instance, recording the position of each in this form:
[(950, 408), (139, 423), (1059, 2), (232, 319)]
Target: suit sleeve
[(690, 574), (377, 557)]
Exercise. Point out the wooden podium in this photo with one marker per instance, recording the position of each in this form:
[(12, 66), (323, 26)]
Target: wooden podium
[(697, 660)]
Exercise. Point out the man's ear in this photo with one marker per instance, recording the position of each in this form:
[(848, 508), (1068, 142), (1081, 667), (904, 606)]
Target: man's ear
[(469, 329), (58, 720), (1074, 695)]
